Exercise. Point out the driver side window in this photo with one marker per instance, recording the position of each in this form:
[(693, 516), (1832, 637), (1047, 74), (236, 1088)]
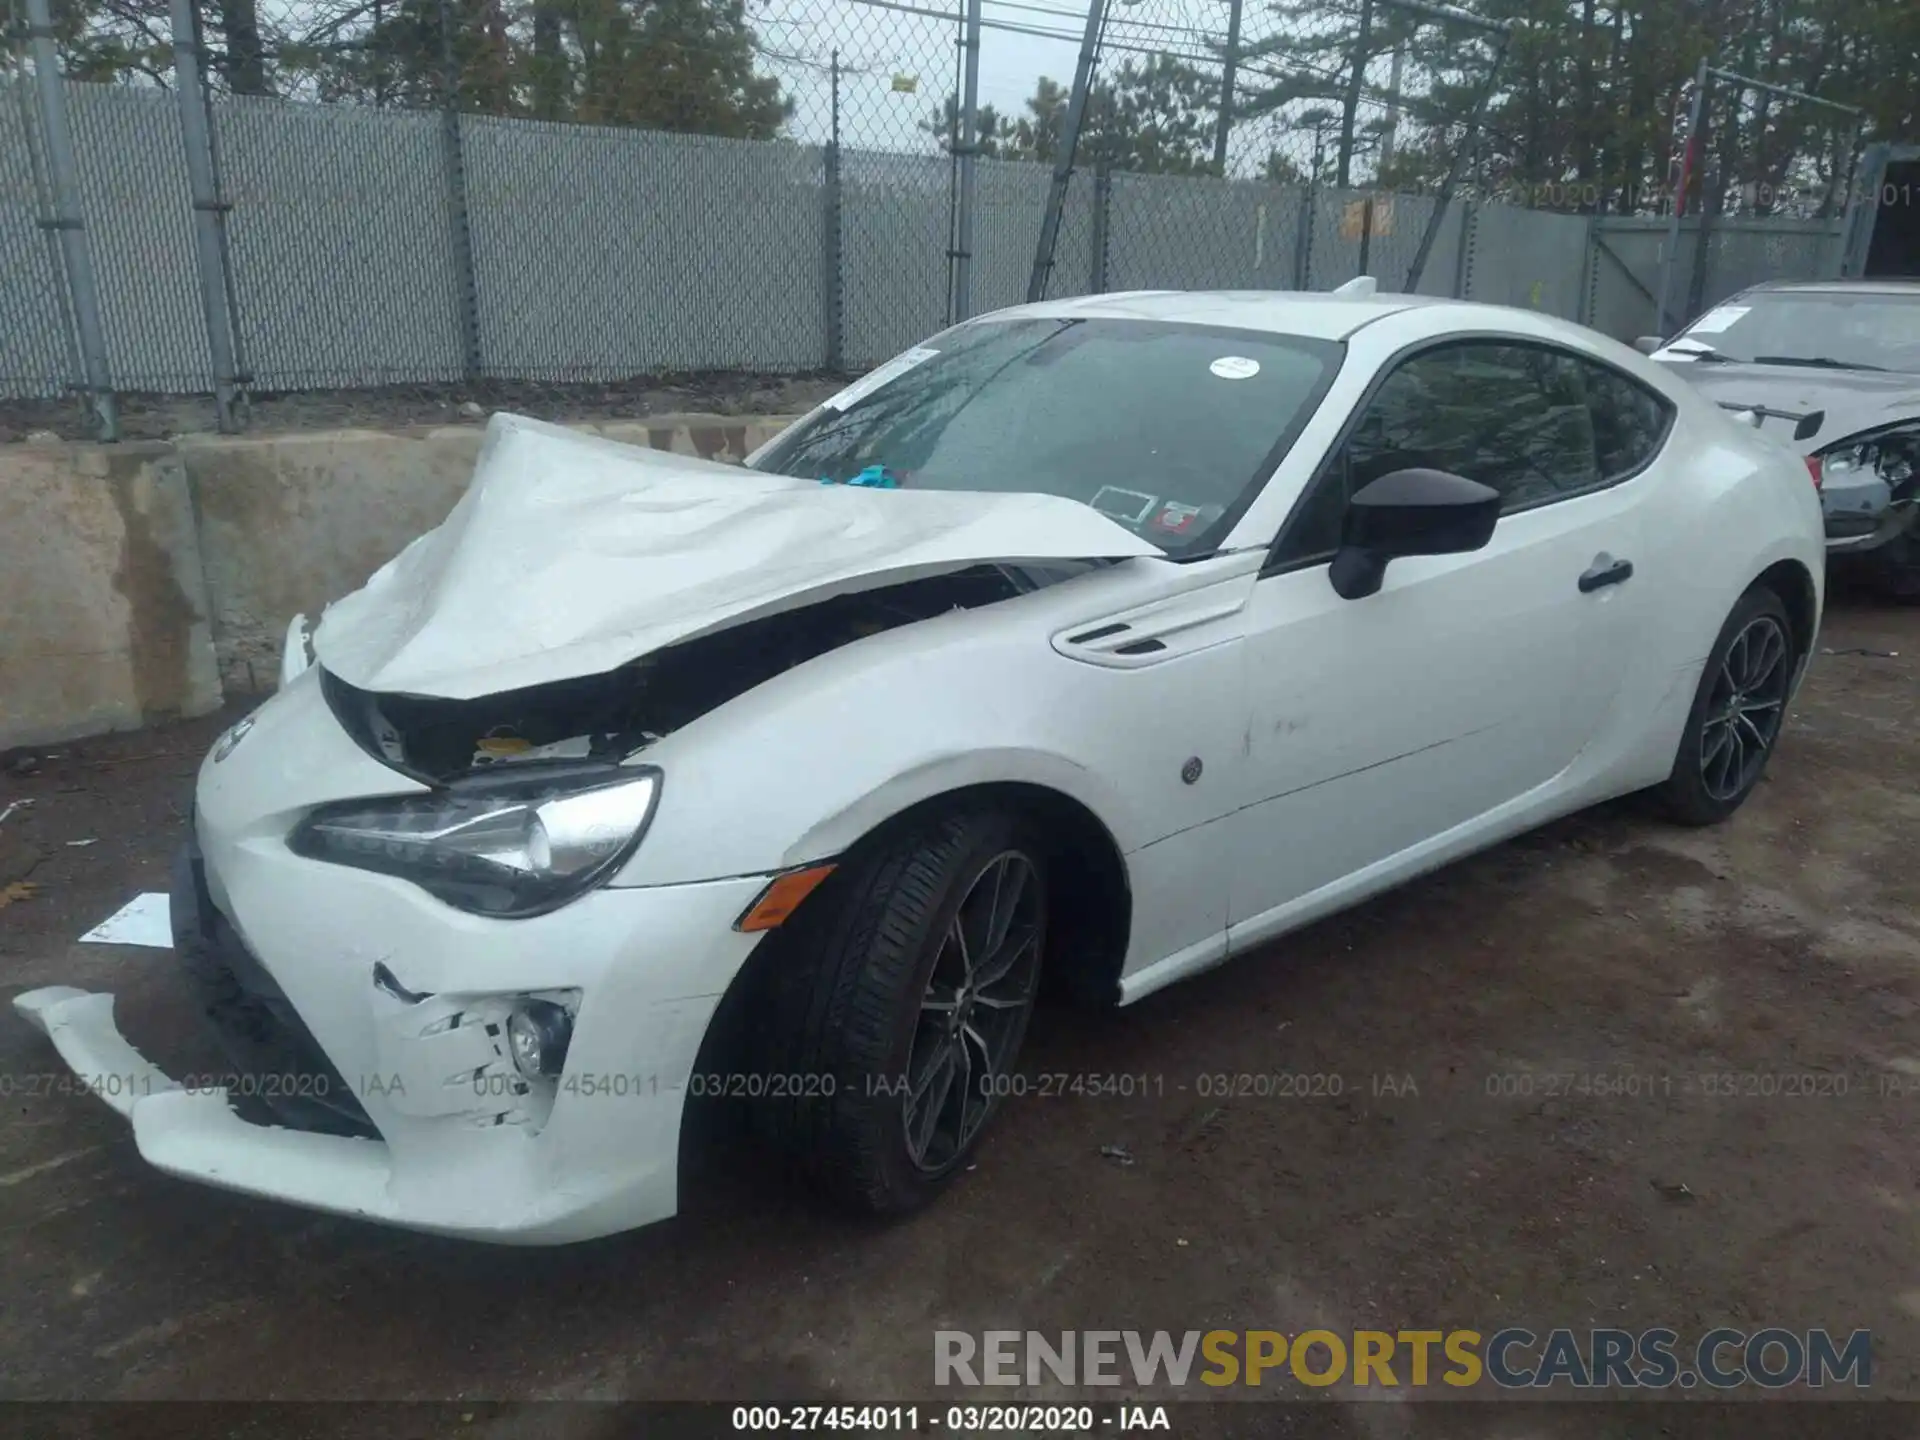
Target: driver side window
[(1510, 415)]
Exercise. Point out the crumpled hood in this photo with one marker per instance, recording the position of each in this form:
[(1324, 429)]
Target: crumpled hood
[(571, 555), (1854, 400)]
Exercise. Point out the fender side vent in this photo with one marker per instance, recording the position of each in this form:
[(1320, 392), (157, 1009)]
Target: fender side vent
[(1141, 647), (1087, 636)]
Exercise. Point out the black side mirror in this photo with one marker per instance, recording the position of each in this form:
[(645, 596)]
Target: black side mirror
[(1410, 512), (1647, 344)]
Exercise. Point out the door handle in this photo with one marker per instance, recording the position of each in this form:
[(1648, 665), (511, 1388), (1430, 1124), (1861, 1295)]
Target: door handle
[(1605, 570)]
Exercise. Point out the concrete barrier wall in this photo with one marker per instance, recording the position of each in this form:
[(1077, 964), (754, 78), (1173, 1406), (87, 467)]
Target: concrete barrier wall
[(148, 581), (104, 621)]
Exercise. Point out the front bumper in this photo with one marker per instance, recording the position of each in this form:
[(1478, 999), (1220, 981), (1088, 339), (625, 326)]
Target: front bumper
[(1862, 513), (455, 1150), (392, 1099)]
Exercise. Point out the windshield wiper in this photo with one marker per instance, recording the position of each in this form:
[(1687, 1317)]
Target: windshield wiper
[(1816, 362)]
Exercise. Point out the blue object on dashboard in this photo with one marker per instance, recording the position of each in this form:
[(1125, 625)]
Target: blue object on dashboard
[(874, 477)]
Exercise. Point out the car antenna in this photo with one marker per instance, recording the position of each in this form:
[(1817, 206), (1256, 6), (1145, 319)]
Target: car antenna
[(1361, 287)]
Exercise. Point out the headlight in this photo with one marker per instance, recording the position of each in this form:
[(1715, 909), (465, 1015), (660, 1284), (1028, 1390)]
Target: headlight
[(508, 846), (1892, 454)]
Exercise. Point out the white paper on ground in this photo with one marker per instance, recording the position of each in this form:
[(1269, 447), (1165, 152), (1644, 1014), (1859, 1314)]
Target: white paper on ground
[(1715, 321), (143, 920)]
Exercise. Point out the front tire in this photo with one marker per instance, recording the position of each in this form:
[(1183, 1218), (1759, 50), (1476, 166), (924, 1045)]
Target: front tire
[(901, 1003), (1737, 714)]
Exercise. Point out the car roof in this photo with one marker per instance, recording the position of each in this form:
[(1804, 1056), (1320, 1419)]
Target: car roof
[(1868, 285), (1314, 314)]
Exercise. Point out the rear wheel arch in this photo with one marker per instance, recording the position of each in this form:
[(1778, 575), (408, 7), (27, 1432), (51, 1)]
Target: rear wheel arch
[(1793, 583), (1738, 681)]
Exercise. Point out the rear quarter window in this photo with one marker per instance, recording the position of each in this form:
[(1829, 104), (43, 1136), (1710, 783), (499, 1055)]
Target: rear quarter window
[(1630, 422)]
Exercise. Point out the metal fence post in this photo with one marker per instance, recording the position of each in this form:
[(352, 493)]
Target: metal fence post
[(969, 167), (1097, 242), (466, 291), (1709, 212), (76, 250), (1463, 256), (1850, 199), (1303, 240), (1590, 271), (242, 376), (830, 220), (209, 213)]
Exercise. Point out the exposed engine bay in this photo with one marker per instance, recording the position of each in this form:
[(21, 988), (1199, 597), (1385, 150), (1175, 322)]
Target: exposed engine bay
[(611, 716)]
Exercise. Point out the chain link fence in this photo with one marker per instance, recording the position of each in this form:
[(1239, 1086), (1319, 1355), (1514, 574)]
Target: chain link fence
[(284, 195), (38, 350)]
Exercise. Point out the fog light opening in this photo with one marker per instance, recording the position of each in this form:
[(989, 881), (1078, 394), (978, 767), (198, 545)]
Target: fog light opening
[(538, 1032)]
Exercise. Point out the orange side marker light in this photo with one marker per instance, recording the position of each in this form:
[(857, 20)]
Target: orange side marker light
[(781, 898)]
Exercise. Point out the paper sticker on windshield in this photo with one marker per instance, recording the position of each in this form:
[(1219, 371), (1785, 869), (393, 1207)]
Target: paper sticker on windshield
[(1177, 519), (884, 375), (1130, 506), (1715, 321), (1235, 367)]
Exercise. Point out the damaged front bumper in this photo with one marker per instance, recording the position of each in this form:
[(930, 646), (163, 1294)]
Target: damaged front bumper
[(371, 1077), (1862, 509)]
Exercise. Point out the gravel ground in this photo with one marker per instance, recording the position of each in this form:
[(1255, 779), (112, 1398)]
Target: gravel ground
[(159, 417), (1710, 963)]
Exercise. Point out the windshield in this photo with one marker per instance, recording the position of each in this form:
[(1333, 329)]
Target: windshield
[(1822, 327), (1165, 428)]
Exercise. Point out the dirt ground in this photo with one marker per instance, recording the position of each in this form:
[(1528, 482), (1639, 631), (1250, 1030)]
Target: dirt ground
[(160, 417), (1786, 943)]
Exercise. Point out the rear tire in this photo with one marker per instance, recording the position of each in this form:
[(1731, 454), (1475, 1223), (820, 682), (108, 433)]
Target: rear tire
[(898, 1005), (1737, 714)]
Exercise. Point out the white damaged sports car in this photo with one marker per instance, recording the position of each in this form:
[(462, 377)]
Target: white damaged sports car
[(1087, 645)]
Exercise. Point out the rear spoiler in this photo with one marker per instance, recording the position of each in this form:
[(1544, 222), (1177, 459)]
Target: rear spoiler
[(1806, 423)]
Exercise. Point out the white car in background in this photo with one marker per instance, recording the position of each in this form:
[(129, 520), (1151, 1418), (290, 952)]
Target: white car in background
[(1091, 642), (1831, 368)]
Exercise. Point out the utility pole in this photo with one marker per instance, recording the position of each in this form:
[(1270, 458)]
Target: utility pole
[(1351, 108), (1231, 73), (1389, 134), (1502, 33), (209, 212), (1063, 158), (1696, 113)]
